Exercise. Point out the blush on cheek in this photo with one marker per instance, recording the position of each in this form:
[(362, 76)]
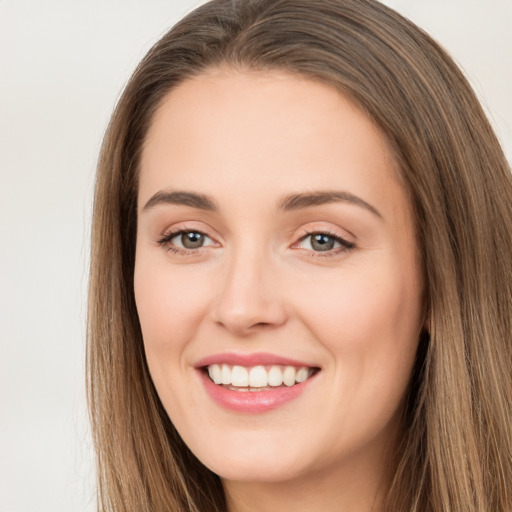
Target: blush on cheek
[(170, 305), (349, 312)]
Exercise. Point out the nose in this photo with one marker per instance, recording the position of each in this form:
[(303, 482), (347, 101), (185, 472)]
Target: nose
[(249, 299)]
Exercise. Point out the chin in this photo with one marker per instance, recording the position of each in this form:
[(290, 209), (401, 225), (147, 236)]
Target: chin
[(255, 470), (261, 460)]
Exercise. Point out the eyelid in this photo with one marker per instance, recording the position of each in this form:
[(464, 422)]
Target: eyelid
[(345, 246), (345, 242), (164, 240), (338, 238), (181, 232)]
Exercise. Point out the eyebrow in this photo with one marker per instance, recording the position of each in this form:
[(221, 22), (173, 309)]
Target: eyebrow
[(288, 203), (306, 200), (200, 201)]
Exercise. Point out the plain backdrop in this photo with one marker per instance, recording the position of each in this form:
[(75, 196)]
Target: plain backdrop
[(63, 64)]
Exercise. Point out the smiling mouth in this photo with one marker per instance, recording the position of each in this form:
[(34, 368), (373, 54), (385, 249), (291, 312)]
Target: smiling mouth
[(258, 378)]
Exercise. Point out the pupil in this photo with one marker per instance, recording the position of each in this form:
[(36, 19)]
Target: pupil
[(322, 242), (192, 240)]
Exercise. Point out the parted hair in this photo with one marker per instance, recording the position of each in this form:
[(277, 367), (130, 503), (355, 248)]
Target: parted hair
[(455, 453)]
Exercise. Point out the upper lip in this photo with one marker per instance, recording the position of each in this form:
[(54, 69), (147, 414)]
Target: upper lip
[(254, 359)]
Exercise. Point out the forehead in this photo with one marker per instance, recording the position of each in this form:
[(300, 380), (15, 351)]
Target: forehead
[(268, 131), (227, 99)]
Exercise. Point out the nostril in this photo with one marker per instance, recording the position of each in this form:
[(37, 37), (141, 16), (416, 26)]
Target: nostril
[(262, 325)]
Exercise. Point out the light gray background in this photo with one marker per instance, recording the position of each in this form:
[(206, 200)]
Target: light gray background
[(62, 66)]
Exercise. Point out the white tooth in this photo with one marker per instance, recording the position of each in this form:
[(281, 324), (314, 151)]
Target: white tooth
[(258, 377), (275, 376), (289, 376), (225, 374), (215, 373), (302, 374), (239, 377)]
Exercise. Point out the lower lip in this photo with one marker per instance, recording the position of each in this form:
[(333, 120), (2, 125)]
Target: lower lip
[(253, 401)]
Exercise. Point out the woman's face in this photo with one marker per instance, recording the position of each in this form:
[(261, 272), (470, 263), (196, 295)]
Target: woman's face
[(275, 242)]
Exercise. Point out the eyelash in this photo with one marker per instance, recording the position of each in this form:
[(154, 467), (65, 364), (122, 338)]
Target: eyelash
[(166, 239), (345, 245)]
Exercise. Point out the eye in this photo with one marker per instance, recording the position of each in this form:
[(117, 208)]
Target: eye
[(324, 242), (189, 239), (186, 240)]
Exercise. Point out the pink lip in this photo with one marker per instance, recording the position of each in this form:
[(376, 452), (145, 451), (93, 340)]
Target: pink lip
[(256, 359), (251, 401)]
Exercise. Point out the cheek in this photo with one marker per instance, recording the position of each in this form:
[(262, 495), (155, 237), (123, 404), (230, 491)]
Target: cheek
[(364, 305), (369, 322), (170, 306)]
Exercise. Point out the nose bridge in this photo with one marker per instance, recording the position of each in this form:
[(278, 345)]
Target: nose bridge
[(249, 296)]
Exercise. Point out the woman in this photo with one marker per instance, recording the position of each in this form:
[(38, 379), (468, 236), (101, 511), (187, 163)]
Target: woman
[(301, 288)]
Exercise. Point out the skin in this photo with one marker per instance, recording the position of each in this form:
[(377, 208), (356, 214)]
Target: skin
[(247, 140)]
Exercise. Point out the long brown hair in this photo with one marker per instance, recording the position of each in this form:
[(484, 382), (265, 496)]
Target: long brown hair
[(456, 450)]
